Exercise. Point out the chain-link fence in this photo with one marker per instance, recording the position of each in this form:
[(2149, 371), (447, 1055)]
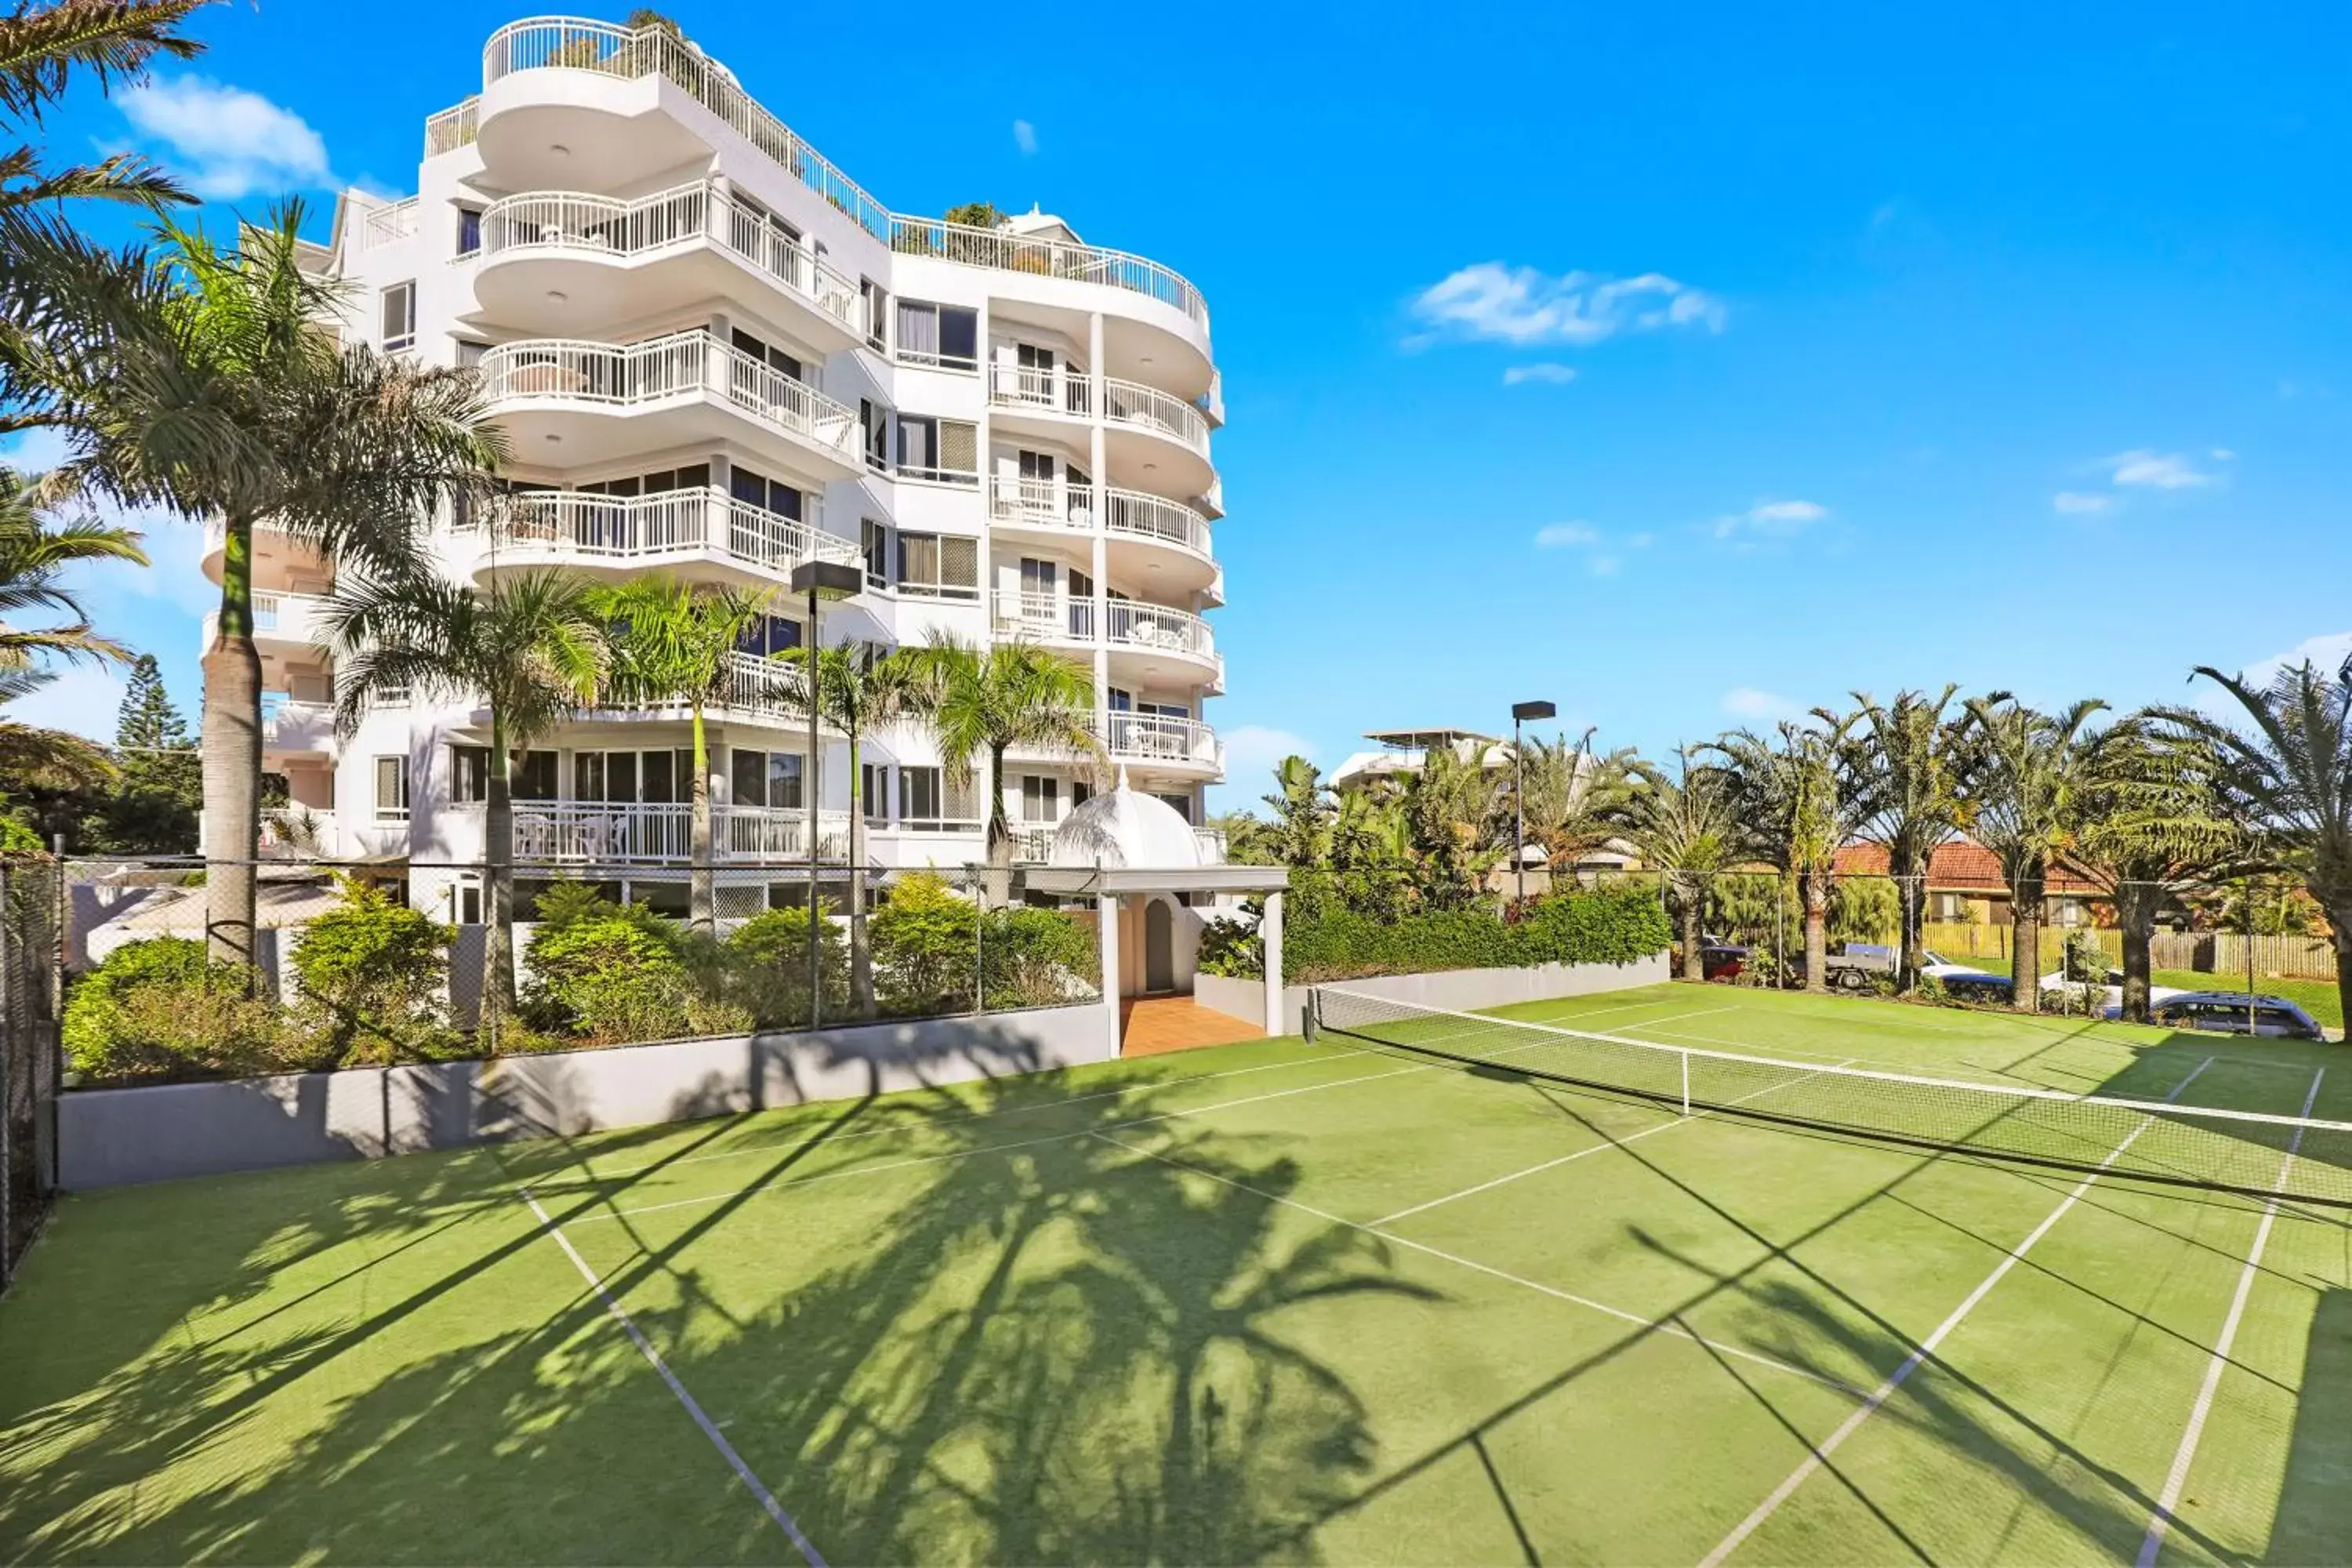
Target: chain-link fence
[(362, 962), (29, 1068)]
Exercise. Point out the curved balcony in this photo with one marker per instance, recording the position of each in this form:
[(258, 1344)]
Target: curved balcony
[(551, 258), (296, 728), (672, 529), (1150, 434), (620, 400), (1146, 642), (1162, 542), (759, 690), (592, 833), (524, 129), (279, 560), (290, 623), (1162, 744)]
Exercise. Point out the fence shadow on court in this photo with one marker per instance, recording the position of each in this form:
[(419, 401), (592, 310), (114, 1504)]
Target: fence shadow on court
[(2314, 1510), (1066, 1350)]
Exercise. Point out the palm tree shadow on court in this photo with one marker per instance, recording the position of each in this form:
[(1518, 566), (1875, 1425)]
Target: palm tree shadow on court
[(1064, 1352)]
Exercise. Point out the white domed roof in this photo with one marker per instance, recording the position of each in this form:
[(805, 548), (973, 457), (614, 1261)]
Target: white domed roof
[(1126, 830)]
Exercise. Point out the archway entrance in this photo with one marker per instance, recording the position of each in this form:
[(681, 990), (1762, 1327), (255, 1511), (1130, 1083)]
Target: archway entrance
[(1159, 948)]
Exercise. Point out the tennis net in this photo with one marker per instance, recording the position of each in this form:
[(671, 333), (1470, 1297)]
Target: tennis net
[(2189, 1145)]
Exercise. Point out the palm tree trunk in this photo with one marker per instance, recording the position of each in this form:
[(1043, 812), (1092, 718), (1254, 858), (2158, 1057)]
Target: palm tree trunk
[(1814, 885), (232, 758), (861, 961), (498, 928), (2339, 918), (1693, 962), (2025, 942), (700, 910), (1000, 834), (1911, 897), (2135, 912)]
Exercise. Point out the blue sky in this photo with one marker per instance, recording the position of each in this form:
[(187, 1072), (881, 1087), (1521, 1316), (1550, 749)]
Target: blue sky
[(1682, 370)]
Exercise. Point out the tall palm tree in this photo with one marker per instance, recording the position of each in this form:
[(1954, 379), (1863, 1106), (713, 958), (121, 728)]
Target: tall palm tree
[(1686, 827), (1789, 795), (981, 702), (2286, 778), (529, 646), (1454, 805), (2153, 828), (676, 642), (2029, 799), (35, 551), (1909, 772), (858, 692), (1301, 825), (233, 402)]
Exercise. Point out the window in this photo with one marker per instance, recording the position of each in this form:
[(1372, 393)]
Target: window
[(919, 794), (1081, 792), (471, 352), (392, 789), (874, 791), (1040, 798), (876, 542), (939, 566), (469, 904), (1182, 803), (534, 776), (769, 495), (946, 336), (877, 312), (399, 315), (875, 420), (945, 450), (469, 231), (469, 773), (771, 779), (767, 636), (768, 354)]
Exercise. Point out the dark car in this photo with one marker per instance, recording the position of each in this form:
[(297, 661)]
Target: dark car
[(1720, 959), (1973, 985), (2236, 1013)]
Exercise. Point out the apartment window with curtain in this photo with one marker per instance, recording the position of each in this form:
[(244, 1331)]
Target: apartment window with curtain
[(939, 567), (876, 421), (392, 789), (469, 231), (469, 773), (946, 336), (1040, 798), (945, 451), (398, 314), (877, 314)]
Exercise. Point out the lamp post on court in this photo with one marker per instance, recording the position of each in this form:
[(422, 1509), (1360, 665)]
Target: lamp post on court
[(819, 579), (1520, 713)]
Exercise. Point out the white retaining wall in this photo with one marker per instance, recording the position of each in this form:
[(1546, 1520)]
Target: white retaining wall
[(112, 1137), (1460, 990)]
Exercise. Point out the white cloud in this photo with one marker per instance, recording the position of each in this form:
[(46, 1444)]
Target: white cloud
[(2141, 467), (1607, 565), (2222, 454), (1748, 702), (1641, 542), (84, 700), (2076, 503), (1566, 536), (34, 451), (2326, 652), (1024, 136), (1495, 303), (1253, 751), (1771, 519), (229, 142), (1548, 373)]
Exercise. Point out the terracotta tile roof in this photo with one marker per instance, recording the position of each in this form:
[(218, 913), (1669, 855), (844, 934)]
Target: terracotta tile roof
[(1960, 866)]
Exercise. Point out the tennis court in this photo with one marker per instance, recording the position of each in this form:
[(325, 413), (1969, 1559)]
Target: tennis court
[(1346, 1300)]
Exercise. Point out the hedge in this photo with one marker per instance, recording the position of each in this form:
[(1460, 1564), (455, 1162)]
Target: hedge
[(1609, 925)]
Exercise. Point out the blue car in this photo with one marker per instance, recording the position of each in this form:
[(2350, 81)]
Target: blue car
[(2236, 1013)]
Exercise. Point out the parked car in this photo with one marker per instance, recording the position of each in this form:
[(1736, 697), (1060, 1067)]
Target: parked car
[(2237, 1013), (1721, 959), (2113, 999), (1851, 965), (1970, 985)]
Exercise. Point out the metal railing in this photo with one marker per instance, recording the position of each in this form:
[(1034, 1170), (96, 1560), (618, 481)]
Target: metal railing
[(1046, 617), (387, 225), (1131, 623), (452, 128), (754, 686), (623, 374), (1123, 623), (596, 832), (1060, 390), (1147, 407), (1150, 737), (1059, 504), (575, 44), (577, 223), (578, 524), (295, 726)]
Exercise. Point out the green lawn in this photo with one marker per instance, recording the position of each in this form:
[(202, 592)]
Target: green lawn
[(1274, 1301)]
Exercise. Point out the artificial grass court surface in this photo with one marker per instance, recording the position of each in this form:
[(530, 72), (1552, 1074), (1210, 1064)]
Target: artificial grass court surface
[(1177, 1311)]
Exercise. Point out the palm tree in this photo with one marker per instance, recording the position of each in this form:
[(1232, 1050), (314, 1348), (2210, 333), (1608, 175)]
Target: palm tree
[(1454, 806), (982, 702), (1685, 827), (2287, 781), (2029, 800), (2153, 828), (676, 642), (1909, 775), (33, 555), (859, 691), (529, 646), (1790, 799), (1301, 825), (232, 401)]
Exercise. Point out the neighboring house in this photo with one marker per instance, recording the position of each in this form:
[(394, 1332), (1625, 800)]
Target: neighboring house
[(713, 353), (1965, 886)]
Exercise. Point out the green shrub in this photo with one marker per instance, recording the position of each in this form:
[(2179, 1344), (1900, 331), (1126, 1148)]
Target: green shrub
[(373, 976), (931, 945), (160, 1009), (1607, 925), (1037, 958), (19, 837), (764, 968), (611, 975), (1231, 946)]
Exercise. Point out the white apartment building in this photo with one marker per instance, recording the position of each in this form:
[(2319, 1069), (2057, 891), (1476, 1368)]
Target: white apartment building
[(714, 354)]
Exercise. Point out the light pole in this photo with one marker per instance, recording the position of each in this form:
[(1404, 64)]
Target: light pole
[(1520, 713), (819, 579)]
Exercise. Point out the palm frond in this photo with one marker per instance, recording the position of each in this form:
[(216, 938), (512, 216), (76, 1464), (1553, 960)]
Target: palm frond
[(42, 48)]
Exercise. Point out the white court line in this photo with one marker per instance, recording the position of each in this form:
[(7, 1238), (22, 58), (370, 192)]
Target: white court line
[(775, 1510), (1673, 1330), (1895, 1380), (1563, 1159), (2161, 1522)]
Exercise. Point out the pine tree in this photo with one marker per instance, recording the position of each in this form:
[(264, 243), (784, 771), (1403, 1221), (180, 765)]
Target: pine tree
[(154, 809)]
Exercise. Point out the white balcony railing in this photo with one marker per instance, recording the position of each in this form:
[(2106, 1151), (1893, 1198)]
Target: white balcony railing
[(1210, 842), (757, 687), (389, 224), (569, 222), (624, 375), (570, 44), (279, 618), (1058, 504), (1160, 629), (1047, 617), (593, 832), (1150, 738), (293, 726), (1121, 623), (1148, 408), (1056, 390), (706, 521), (1032, 843), (453, 128)]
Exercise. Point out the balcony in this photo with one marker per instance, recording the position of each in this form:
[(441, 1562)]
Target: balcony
[(625, 400), (1161, 744), (299, 729), (1059, 392), (520, 128), (282, 623), (594, 833), (1033, 844), (757, 690), (1145, 640), (672, 529), (1148, 535), (549, 259)]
